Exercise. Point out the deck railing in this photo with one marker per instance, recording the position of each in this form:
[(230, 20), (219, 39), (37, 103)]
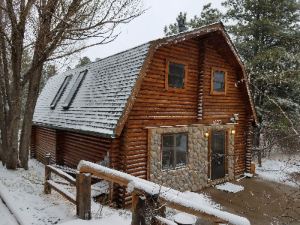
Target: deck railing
[(150, 199)]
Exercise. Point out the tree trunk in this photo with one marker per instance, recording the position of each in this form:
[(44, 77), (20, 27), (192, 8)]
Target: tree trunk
[(3, 139), (33, 91), (13, 135)]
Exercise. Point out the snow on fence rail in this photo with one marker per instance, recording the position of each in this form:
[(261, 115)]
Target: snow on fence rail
[(158, 195)]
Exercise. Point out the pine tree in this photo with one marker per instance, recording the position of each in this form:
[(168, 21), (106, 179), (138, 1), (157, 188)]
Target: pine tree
[(179, 26), (83, 61), (267, 35), (208, 15)]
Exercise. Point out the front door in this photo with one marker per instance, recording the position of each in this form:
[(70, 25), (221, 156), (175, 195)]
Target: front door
[(218, 150)]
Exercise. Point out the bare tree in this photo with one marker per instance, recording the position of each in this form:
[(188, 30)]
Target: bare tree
[(45, 30)]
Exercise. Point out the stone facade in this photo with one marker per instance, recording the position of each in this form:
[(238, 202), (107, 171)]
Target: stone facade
[(193, 176)]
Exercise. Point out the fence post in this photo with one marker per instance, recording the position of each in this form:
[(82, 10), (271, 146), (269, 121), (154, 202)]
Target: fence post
[(47, 188), (138, 207), (83, 195)]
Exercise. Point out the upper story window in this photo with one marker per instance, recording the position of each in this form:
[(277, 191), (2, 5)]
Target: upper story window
[(176, 75), (218, 81), (60, 92), (174, 150), (74, 89)]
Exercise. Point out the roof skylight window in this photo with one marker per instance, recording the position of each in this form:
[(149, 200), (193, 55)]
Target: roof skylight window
[(60, 92), (74, 89)]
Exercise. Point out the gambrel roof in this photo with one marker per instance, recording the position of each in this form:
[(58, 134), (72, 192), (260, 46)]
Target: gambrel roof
[(106, 95)]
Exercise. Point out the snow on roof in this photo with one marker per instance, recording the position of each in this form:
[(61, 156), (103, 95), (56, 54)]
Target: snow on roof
[(101, 98), (101, 101)]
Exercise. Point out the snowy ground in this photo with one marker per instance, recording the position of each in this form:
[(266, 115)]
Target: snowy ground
[(230, 187), (6, 217), (281, 168), (22, 191)]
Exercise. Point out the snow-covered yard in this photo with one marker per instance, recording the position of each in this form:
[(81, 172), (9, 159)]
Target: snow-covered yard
[(6, 216), (22, 191), (281, 168)]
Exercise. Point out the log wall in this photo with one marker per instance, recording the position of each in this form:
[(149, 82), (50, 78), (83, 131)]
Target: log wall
[(222, 107), (157, 106), (75, 147), (44, 142), (68, 148)]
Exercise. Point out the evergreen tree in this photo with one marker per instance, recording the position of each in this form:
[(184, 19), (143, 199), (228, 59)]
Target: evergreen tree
[(267, 35), (208, 15), (83, 61), (179, 26)]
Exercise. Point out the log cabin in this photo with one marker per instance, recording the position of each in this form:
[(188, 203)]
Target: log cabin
[(176, 111)]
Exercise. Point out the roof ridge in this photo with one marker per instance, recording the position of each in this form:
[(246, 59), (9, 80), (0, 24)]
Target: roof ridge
[(150, 42)]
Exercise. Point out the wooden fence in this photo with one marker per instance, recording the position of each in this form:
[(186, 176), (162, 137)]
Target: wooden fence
[(82, 200), (149, 200)]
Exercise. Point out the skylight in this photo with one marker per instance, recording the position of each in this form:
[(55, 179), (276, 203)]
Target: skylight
[(73, 91), (60, 91)]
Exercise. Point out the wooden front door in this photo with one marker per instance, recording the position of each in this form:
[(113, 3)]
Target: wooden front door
[(218, 154)]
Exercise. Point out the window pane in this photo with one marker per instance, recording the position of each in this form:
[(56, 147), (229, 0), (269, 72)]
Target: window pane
[(181, 149), (167, 158), (168, 140), (167, 151), (60, 92), (176, 75), (74, 89), (218, 141), (219, 81)]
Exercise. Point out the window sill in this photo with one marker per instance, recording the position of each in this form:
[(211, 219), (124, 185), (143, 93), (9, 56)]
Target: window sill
[(172, 89), (218, 93), (174, 169)]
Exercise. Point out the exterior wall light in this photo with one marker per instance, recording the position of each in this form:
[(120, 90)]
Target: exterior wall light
[(232, 131), (206, 134)]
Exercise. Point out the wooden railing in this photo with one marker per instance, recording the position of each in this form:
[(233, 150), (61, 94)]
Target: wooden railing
[(82, 200), (149, 199)]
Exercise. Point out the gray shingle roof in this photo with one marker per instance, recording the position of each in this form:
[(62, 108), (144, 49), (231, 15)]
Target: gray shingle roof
[(101, 104), (101, 98)]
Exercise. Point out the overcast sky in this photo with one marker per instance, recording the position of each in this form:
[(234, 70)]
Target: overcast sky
[(150, 25)]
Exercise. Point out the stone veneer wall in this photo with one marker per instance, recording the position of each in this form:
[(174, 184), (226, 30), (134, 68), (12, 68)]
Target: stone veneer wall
[(194, 176)]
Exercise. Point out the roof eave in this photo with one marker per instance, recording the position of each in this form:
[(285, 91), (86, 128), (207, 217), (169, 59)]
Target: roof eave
[(93, 133)]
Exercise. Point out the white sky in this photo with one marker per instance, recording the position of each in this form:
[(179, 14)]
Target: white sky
[(150, 25)]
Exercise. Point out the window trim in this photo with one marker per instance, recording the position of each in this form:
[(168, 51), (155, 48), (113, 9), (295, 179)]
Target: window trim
[(74, 89), (226, 131), (187, 152), (60, 91), (171, 60), (212, 91)]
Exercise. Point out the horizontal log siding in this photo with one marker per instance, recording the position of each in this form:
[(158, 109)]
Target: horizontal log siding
[(156, 106), (74, 147), (43, 143), (223, 107)]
